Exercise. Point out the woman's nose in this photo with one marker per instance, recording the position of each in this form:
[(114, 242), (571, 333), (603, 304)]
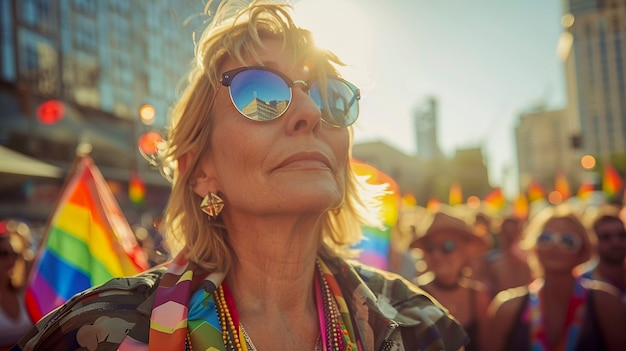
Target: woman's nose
[(303, 113)]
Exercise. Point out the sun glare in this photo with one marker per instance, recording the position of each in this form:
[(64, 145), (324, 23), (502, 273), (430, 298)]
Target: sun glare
[(343, 28)]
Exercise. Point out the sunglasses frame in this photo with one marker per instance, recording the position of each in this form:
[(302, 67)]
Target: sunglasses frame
[(228, 76), (446, 247), (556, 239)]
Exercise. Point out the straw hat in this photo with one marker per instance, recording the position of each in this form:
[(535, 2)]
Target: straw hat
[(440, 222)]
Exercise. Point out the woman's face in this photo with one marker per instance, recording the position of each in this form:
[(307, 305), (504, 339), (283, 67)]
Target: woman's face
[(444, 255), (292, 164), (559, 246)]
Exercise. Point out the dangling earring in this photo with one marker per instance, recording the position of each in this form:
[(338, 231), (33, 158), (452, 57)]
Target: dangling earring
[(212, 205)]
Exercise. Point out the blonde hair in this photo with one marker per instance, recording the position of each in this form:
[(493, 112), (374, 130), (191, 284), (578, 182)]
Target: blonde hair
[(538, 223), (235, 32)]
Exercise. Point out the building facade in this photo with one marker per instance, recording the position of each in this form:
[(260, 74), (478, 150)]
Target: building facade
[(544, 148), (77, 72), (594, 53)]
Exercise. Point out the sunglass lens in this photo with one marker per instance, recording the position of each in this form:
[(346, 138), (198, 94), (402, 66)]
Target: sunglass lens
[(339, 104), (259, 95), (448, 246), (544, 239), (570, 242)]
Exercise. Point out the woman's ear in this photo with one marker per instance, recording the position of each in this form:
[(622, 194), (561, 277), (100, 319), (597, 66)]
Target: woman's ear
[(200, 179)]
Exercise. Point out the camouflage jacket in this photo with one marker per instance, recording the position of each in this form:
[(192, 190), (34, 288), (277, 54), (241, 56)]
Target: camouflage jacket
[(401, 316)]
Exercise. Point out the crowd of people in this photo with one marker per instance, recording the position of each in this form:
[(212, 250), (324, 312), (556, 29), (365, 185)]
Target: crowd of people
[(263, 213), (554, 281)]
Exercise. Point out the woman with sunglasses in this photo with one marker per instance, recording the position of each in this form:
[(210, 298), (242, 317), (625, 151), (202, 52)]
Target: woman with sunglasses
[(263, 210), (448, 244), (558, 310)]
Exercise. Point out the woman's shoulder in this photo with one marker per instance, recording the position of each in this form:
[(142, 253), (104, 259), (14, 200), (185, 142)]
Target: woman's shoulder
[(102, 314), (508, 302)]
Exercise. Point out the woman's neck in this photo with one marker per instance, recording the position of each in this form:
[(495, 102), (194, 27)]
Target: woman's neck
[(274, 264), (558, 285)]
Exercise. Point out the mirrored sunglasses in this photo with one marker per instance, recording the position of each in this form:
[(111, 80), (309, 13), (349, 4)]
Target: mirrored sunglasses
[(264, 94), (446, 247), (568, 241)]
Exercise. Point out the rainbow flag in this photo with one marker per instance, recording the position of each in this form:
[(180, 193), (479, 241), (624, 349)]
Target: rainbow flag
[(87, 242), (611, 181), (136, 189), (585, 190), (408, 200), (561, 185), (374, 248), (535, 192), (495, 201), (520, 207), (455, 196), (433, 204)]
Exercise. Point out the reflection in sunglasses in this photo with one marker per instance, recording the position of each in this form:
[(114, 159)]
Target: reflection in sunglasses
[(568, 241), (263, 94)]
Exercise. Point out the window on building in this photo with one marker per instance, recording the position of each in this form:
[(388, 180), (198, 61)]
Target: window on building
[(7, 49)]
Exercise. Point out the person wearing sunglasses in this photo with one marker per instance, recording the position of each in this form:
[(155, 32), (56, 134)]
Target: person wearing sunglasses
[(14, 320), (448, 244), (610, 235), (263, 210), (558, 310)]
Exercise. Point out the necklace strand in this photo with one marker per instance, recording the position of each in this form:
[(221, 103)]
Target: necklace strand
[(330, 321), (251, 346)]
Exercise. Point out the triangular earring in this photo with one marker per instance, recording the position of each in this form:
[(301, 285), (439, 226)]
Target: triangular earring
[(212, 205)]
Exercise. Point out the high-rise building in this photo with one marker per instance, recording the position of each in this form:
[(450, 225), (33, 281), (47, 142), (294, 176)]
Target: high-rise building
[(98, 62), (593, 48), (543, 148), (425, 118)]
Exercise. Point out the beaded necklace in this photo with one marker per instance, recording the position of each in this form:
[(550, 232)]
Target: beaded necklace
[(236, 339), (229, 320)]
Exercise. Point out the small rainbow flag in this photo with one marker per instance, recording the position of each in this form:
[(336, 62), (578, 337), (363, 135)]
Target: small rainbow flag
[(136, 189), (585, 190), (535, 192), (520, 207), (611, 181), (495, 201), (375, 244), (455, 196), (561, 185), (433, 204), (87, 242)]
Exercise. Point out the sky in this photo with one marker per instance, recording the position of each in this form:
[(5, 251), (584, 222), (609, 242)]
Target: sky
[(485, 61)]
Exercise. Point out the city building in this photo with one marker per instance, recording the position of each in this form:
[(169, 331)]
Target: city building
[(593, 49), (544, 148), (425, 118), (75, 72)]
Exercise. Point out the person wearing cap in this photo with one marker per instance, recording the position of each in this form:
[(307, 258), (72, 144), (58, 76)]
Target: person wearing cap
[(558, 310), (448, 244)]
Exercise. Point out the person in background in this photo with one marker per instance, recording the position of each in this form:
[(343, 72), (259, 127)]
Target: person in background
[(506, 266), (14, 263), (611, 251), (263, 211), (558, 310), (447, 243)]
